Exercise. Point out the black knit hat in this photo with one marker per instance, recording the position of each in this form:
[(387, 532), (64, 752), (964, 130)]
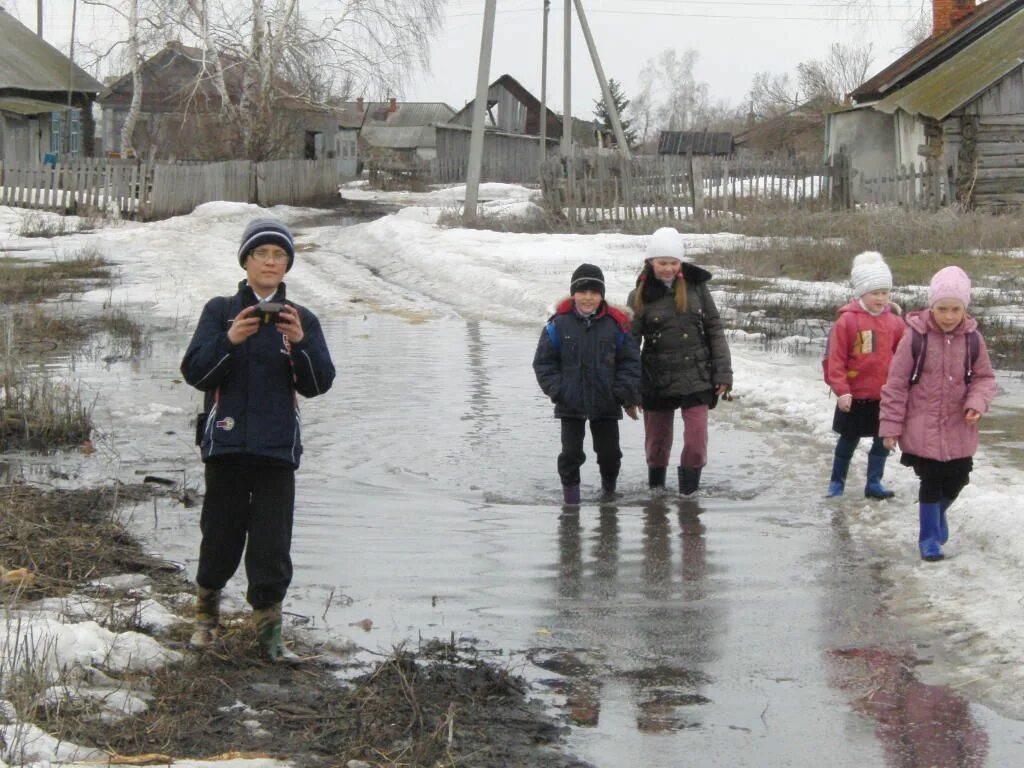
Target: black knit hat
[(266, 231), (587, 277)]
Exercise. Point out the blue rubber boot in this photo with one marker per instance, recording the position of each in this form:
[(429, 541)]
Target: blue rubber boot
[(928, 538), (944, 504), (840, 466), (876, 468)]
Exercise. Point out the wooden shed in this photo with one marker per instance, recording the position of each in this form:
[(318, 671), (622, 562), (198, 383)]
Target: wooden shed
[(955, 101)]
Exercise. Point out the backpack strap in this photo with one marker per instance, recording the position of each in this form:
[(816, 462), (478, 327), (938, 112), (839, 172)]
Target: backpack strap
[(556, 342), (971, 355), (918, 347)]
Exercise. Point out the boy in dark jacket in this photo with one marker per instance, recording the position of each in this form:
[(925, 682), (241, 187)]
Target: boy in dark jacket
[(589, 365), (252, 354)]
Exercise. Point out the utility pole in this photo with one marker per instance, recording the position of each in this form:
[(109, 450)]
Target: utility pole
[(39, 17), (606, 93), (544, 88), (567, 150), (476, 141)]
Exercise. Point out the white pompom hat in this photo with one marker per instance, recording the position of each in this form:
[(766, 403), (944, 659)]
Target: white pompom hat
[(870, 273)]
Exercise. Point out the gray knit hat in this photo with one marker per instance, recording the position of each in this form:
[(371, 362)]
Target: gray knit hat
[(266, 231)]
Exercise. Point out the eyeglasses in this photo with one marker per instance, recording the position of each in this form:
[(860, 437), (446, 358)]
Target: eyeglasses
[(264, 255)]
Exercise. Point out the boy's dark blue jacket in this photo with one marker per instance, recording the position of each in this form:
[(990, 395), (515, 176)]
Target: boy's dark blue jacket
[(589, 367), (250, 403)]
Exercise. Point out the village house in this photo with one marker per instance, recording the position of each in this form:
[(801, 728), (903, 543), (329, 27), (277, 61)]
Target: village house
[(36, 98), (798, 134), (400, 137), (512, 139), (181, 113), (954, 102)]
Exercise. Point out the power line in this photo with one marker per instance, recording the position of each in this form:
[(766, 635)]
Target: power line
[(706, 16)]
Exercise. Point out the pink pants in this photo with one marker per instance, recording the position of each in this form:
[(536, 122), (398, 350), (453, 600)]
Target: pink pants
[(658, 437)]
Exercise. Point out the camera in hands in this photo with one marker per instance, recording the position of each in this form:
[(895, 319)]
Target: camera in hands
[(269, 311)]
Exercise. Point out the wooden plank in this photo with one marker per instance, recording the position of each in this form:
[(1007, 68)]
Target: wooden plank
[(1001, 148), (1001, 161), (1001, 120), (1000, 173)]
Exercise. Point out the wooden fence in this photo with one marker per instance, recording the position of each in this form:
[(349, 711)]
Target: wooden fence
[(151, 192), (606, 187), (926, 187)]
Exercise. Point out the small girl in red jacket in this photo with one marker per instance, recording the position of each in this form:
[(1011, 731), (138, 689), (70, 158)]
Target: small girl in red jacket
[(860, 348), (939, 385)]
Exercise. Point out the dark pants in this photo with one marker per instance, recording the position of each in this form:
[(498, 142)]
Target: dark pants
[(605, 436), (255, 501)]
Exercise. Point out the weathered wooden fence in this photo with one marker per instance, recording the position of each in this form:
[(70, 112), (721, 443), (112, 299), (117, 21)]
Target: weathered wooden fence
[(923, 188), (607, 187), (507, 157), (159, 191)]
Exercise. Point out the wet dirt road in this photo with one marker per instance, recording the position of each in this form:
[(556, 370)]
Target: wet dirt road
[(745, 628)]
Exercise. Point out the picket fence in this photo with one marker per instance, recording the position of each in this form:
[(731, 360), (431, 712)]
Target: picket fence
[(151, 192), (609, 188), (921, 188)]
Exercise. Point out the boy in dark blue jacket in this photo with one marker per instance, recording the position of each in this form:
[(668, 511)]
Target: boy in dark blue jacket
[(252, 354), (589, 365)]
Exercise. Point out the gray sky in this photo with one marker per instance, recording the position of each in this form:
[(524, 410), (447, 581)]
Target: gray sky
[(734, 39)]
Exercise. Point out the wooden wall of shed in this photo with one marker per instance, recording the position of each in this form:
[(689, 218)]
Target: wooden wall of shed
[(986, 145)]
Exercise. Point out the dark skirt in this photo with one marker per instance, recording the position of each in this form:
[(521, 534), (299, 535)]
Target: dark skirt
[(930, 469), (860, 421), (655, 403)]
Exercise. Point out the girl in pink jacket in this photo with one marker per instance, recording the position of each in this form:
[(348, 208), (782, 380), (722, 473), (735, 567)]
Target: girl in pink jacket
[(940, 383)]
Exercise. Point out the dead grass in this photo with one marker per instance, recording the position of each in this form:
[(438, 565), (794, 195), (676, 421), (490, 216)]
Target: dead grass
[(32, 282)]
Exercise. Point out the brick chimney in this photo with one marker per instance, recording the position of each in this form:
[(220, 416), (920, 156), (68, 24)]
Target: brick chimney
[(946, 14), (393, 104)]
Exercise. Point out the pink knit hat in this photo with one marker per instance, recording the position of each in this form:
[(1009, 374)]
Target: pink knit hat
[(950, 283)]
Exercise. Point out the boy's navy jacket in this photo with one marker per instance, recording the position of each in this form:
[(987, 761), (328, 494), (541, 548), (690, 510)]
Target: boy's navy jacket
[(250, 402), (589, 367)]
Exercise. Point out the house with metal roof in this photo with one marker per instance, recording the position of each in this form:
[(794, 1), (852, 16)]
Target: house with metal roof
[(181, 117), (955, 101), (37, 82), (401, 136)]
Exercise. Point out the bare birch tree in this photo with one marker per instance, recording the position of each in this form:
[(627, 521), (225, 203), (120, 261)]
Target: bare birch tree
[(828, 80)]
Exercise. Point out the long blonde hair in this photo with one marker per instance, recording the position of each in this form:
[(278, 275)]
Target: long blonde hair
[(647, 273)]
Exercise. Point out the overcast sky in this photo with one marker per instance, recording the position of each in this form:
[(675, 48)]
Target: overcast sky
[(734, 39)]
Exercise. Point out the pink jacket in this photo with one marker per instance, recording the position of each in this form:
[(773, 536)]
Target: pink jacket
[(928, 417), (860, 348)]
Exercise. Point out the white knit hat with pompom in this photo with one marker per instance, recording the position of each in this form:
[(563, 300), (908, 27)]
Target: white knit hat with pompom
[(870, 273)]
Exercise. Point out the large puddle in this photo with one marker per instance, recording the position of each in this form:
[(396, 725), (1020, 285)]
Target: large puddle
[(743, 629)]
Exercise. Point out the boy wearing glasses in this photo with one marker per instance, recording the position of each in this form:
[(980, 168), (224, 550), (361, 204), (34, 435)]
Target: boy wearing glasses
[(250, 354)]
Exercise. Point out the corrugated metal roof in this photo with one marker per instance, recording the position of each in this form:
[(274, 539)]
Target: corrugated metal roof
[(399, 138), (697, 142), (407, 114), (963, 77), (933, 50), (27, 62)]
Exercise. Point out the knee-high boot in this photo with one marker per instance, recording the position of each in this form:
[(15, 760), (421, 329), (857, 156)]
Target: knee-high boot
[(944, 504), (840, 466), (207, 619), (874, 489), (928, 537)]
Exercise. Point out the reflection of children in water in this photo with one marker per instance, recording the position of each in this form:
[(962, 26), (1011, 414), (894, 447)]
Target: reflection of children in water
[(629, 632), (918, 724)]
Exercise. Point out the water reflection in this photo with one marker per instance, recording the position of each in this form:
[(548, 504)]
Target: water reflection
[(638, 594), (918, 724)]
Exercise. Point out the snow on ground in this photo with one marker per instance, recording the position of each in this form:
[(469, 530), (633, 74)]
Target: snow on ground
[(405, 263)]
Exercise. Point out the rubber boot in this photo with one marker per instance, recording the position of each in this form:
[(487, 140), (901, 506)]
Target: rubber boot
[(928, 538), (840, 466), (944, 504), (268, 632), (608, 485), (689, 480), (207, 620), (656, 478), (571, 495), (876, 468)]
